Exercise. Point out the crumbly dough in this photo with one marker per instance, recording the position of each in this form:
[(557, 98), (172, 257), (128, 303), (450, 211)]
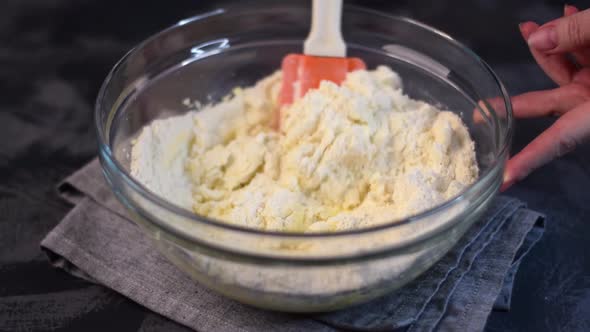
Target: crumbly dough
[(347, 156)]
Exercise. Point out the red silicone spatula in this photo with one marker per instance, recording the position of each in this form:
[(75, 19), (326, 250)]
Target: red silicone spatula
[(324, 55)]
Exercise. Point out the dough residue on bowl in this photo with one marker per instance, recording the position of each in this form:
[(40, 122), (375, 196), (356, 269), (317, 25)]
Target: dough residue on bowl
[(346, 157)]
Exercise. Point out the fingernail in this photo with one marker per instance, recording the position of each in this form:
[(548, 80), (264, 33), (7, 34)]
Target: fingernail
[(544, 39), (569, 9), (521, 27), (508, 181)]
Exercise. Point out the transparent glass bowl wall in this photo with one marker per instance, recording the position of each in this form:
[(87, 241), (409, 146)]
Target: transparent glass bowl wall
[(204, 58)]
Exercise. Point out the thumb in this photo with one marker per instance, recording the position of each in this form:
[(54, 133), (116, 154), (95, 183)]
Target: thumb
[(564, 34)]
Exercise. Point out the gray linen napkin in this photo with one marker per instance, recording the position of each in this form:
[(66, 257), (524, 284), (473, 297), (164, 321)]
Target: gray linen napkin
[(96, 242)]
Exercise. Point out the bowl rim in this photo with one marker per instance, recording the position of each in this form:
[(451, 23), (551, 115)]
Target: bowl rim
[(106, 152)]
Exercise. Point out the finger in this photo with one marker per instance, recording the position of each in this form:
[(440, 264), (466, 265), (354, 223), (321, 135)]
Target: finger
[(556, 66), (553, 102), (535, 104), (565, 34), (582, 56), (582, 76), (572, 129)]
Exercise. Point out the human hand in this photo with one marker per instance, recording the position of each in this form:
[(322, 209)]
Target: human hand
[(562, 49)]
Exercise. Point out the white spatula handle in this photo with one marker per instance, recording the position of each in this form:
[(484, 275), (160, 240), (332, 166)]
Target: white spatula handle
[(325, 36)]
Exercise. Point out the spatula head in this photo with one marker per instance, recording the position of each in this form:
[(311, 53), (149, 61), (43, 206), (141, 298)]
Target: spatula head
[(304, 72)]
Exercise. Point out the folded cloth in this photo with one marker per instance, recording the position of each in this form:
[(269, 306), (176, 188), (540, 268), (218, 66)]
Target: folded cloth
[(97, 242)]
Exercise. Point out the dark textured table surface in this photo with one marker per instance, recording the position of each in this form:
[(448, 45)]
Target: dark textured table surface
[(54, 55)]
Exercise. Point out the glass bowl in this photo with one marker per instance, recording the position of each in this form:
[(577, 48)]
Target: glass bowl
[(203, 58)]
